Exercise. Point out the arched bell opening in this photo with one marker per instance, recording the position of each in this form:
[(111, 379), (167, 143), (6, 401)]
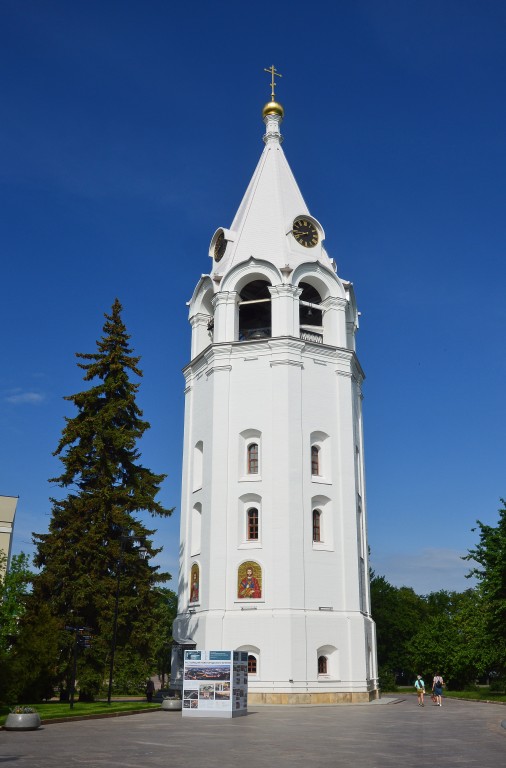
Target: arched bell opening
[(202, 316), (255, 311), (310, 315)]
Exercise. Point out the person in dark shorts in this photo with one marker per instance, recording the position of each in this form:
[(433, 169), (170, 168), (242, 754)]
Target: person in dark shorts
[(437, 689)]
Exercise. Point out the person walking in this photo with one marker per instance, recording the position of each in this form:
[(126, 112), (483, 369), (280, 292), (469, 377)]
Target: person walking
[(437, 689), (150, 689), (420, 690)]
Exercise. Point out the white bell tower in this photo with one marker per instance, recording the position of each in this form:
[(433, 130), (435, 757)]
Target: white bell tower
[(273, 551)]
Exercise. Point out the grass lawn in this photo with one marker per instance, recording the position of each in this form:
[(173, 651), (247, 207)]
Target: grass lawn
[(53, 709), (482, 694)]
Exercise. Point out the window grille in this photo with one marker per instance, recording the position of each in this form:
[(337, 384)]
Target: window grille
[(317, 525), (253, 459), (253, 524), (315, 460)]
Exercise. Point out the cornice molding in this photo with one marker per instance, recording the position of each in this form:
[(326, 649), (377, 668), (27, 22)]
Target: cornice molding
[(218, 369), (222, 354), (283, 290), (224, 297), (334, 302), (199, 319), (294, 363)]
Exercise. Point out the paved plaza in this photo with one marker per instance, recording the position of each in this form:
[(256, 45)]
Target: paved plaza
[(389, 733)]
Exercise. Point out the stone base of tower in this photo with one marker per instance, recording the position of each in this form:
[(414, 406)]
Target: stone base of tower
[(286, 671), (313, 698)]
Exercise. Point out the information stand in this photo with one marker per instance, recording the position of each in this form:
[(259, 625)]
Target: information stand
[(215, 684)]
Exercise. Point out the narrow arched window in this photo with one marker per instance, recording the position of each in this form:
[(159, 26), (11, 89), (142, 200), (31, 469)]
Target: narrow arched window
[(198, 462), (196, 529), (322, 665), (317, 525), (315, 460), (310, 316), (252, 665), (255, 311), (252, 524), (253, 459)]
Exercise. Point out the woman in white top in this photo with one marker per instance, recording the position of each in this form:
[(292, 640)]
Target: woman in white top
[(437, 689)]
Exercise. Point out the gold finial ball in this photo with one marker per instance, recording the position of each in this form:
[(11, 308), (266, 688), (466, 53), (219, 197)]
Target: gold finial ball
[(273, 108)]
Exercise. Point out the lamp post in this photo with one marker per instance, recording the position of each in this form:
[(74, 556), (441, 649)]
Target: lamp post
[(82, 639), (143, 554)]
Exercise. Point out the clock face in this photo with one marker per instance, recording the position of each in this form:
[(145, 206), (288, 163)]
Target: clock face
[(220, 246), (305, 232)]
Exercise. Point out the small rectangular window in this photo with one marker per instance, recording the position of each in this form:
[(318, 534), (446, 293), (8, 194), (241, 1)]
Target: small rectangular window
[(317, 525), (253, 524), (315, 460), (253, 459)]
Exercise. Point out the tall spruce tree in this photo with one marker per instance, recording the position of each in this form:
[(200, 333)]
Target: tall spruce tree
[(92, 545)]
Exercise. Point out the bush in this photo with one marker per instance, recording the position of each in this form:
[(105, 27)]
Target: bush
[(386, 679)]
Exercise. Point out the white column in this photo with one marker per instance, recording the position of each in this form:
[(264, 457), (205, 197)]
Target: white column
[(215, 518), (226, 316), (202, 335), (334, 321), (285, 310)]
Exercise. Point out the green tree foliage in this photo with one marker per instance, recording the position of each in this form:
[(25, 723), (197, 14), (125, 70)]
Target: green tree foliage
[(451, 639), (398, 613), (459, 634), (166, 611), (30, 672), (13, 590), (490, 571), (440, 632), (14, 587), (95, 530)]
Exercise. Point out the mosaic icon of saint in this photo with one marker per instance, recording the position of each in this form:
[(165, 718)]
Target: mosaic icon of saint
[(249, 586), (194, 584)]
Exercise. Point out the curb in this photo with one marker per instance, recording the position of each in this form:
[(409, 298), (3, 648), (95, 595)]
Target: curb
[(477, 701), (471, 701), (102, 716)]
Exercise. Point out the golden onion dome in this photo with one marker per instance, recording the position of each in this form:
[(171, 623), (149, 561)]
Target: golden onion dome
[(273, 108)]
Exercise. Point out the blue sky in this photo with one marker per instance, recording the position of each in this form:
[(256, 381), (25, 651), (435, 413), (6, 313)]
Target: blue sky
[(129, 133)]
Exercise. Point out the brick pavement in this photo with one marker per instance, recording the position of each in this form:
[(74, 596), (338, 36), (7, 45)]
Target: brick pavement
[(387, 734)]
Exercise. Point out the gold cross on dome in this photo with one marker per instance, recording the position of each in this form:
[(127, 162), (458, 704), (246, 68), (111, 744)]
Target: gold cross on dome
[(274, 73)]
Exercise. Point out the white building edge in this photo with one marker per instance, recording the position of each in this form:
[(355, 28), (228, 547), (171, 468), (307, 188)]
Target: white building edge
[(8, 506), (273, 463)]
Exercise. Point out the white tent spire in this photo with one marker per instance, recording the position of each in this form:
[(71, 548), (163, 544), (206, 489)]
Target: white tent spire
[(262, 227)]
